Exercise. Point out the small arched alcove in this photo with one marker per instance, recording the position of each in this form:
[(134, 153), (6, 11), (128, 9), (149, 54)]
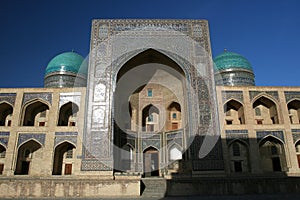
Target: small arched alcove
[(63, 159), (234, 111), (67, 114), (35, 113), (239, 156), (294, 111), (6, 111), (272, 154), (174, 116), (151, 161), (265, 111), (150, 118), (28, 157)]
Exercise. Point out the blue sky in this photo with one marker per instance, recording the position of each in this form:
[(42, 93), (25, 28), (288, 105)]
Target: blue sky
[(266, 32)]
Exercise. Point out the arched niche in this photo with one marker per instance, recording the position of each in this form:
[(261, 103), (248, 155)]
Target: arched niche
[(35, 113), (6, 111), (272, 155), (174, 120), (294, 111), (234, 112), (67, 114), (28, 159), (63, 159), (150, 118), (239, 156), (265, 111)]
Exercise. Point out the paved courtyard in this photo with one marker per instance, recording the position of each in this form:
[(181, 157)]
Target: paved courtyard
[(237, 197)]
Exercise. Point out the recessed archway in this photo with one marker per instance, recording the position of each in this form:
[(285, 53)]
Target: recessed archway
[(265, 111), (174, 120), (239, 156), (63, 159), (35, 113), (294, 111), (6, 111), (151, 162), (150, 118), (27, 157), (272, 155), (234, 112), (67, 114)]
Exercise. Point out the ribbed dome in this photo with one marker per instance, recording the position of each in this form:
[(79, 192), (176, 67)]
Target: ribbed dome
[(67, 62), (231, 61)]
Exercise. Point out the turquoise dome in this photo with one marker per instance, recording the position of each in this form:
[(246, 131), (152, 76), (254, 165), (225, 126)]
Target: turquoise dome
[(67, 62), (230, 61)]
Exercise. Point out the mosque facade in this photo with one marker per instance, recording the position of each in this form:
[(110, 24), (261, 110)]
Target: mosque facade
[(148, 103)]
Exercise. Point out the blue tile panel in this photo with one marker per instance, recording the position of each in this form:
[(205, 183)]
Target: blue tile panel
[(24, 137), (262, 134)]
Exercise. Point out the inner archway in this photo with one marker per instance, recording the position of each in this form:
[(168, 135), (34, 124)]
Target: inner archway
[(27, 157), (5, 114), (63, 159), (150, 98), (151, 162)]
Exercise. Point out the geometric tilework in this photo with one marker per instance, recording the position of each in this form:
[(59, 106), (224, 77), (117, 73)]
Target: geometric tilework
[(4, 141), (4, 138), (23, 137), (66, 133), (238, 95), (4, 134), (253, 94), (262, 134), (65, 136), (296, 137), (9, 97), (237, 134), (94, 165), (151, 141), (291, 95), (236, 131), (45, 96), (60, 139)]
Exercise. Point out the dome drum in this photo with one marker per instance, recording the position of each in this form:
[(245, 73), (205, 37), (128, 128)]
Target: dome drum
[(233, 69), (67, 69)]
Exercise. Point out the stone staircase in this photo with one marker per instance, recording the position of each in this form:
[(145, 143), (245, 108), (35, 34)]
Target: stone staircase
[(153, 187)]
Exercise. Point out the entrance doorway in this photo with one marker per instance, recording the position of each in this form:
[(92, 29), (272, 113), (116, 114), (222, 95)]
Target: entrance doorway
[(276, 164), (151, 166)]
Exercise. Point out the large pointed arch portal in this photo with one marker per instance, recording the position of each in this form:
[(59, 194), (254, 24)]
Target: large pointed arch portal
[(119, 47)]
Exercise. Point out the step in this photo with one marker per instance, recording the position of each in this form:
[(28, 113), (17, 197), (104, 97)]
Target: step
[(153, 187)]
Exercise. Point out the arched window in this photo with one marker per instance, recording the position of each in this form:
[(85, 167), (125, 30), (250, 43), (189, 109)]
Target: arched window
[(5, 114), (2, 156), (267, 110), (150, 118), (234, 113), (272, 154), (239, 157), (67, 114), (2, 151), (35, 114), (175, 153), (174, 112), (26, 159), (236, 149), (63, 156), (297, 146), (294, 111)]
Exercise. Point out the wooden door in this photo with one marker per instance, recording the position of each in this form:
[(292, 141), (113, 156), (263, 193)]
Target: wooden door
[(151, 164), (68, 169), (1, 168)]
